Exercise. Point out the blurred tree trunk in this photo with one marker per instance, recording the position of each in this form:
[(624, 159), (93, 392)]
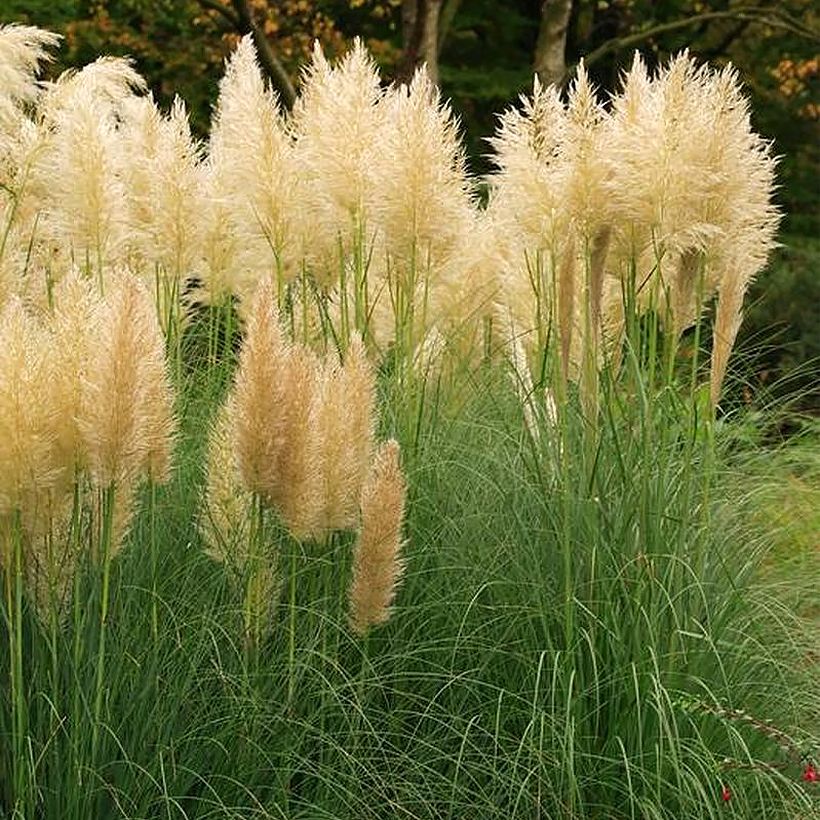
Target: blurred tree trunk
[(241, 17), (551, 47), (421, 37)]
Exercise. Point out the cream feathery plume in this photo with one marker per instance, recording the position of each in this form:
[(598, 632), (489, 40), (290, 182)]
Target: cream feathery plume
[(226, 519), (20, 206), (261, 398), (297, 494), (752, 232), (691, 177), (587, 190), (693, 184), (422, 200), (659, 155), (76, 307), (28, 469), (421, 206), (531, 176), (588, 202), (219, 267), (159, 161), (377, 562), (528, 206), (252, 153), (467, 299), (108, 81), (178, 194), (650, 161), (85, 196), (664, 152), (336, 124), (346, 427), (114, 417), (68, 200), (750, 216), (22, 51), (139, 131)]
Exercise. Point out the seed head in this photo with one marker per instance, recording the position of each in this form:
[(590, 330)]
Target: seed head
[(377, 562)]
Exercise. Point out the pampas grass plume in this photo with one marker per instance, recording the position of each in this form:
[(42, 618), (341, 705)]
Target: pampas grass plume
[(346, 427), (336, 123), (252, 154), (226, 518), (377, 562), (27, 411), (74, 320), (119, 423), (298, 491), (158, 162), (85, 212), (260, 395), (422, 200), (22, 50)]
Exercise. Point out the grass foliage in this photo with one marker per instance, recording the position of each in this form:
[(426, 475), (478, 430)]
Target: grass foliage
[(580, 634)]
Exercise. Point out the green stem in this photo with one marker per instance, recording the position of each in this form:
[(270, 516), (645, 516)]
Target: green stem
[(107, 514), (250, 607), (292, 625), (14, 607), (152, 525)]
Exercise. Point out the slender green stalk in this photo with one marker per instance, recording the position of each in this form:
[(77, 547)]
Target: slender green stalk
[(154, 549), (106, 509), (294, 554), (254, 572), (21, 789)]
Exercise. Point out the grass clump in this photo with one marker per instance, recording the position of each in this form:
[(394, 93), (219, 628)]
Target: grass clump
[(545, 593)]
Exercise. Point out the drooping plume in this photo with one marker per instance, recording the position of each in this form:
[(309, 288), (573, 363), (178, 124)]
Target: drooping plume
[(22, 50)]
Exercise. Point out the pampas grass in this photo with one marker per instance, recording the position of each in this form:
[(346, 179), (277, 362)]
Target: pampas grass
[(203, 622), (252, 160), (359, 208), (294, 439)]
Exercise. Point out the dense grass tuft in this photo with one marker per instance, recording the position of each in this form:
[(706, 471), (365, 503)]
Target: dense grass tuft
[(511, 682)]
